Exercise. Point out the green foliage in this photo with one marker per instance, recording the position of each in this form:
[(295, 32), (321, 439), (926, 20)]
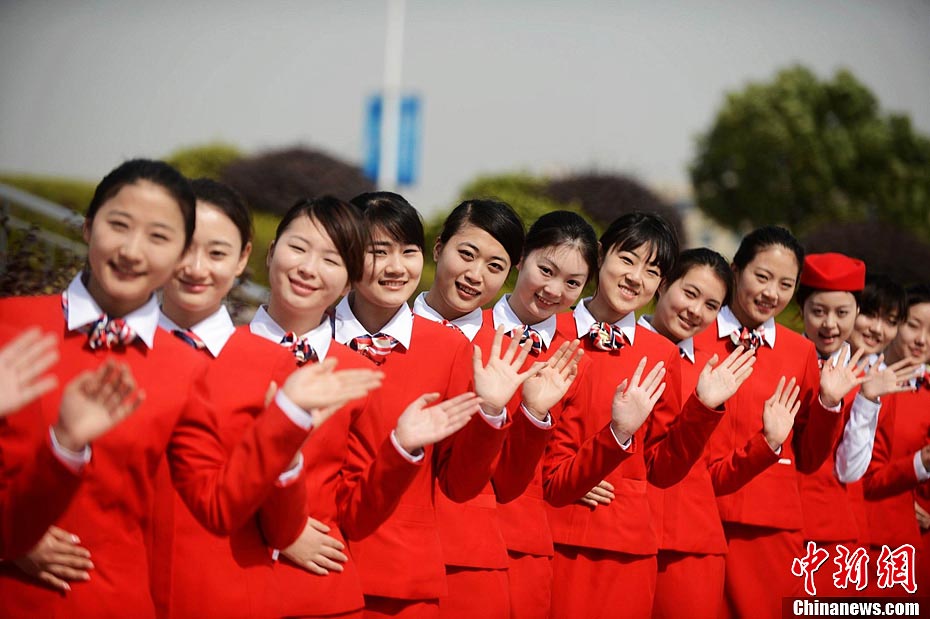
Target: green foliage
[(72, 193), (205, 160), (803, 152), (265, 226)]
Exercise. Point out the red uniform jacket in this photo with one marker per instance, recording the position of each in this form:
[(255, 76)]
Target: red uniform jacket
[(686, 513), (402, 558), (751, 488), (109, 509), (583, 449)]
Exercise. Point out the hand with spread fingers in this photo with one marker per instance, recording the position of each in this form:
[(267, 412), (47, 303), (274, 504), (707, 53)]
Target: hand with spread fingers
[(894, 378), (57, 559), (23, 362), (635, 398), (421, 424), (836, 380), (779, 412), (94, 402), (316, 551), (499, 379), (601, 494), (544, 390), (321, 389), (719, 381)]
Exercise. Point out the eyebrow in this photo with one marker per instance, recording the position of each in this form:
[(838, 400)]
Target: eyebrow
[(220, 242), (474, 248)]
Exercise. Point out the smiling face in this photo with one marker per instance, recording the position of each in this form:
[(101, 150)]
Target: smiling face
[(689, 304), (829, 317), (627, 281), (134, 242), (391, 273), (913, 338), (550, 281), (873, 332), (764, 287), (306, 273), (209, 268), (471, 267)]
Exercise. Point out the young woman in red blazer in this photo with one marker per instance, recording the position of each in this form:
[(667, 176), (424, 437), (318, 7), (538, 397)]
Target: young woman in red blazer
[(471, 266), (139, 223), (753, 470), (599, 439)]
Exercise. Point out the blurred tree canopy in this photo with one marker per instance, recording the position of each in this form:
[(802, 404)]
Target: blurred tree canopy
[(804, 152), (205, 160)]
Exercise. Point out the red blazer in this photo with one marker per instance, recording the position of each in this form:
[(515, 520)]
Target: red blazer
[(686, 513), (583, 450), (402, 558), (109, 509), (890, 480), (751, 488)]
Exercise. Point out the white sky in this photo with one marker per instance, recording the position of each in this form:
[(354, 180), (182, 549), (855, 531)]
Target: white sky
[(506, 85)]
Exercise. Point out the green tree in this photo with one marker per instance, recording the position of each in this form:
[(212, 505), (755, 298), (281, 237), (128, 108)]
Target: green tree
[(804, 152), (205, 160)]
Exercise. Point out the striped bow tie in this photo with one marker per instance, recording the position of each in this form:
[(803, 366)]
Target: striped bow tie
[(923, 381), (605, 336), (190, 338), (376, 347), (525, 332), (299, 347), (451, 325), (105, 332), (748, 338)]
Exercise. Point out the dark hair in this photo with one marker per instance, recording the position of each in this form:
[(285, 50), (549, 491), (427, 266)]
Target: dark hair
[(342, 223), (765, 237), (227, 200), (882, 295), (804, 292), (563, 228), (494, 217), (393, 214), (917, 294), (633, 230), (156, 172), (703, 256)]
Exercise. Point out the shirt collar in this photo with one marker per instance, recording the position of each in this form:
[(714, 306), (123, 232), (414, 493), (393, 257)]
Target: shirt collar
[(214, 330), (504, 315), (347, 326), (686, 346), (320, 337), (584, 319), (727, 323), (469, 324), (84, 310)]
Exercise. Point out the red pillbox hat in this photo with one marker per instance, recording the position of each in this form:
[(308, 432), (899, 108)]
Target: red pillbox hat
[(833, 271)]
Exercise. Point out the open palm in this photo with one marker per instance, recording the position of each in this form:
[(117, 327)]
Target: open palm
[(498, 379), (718, 383), (421, 425), (635, 398), (544, 390), (23, 362)]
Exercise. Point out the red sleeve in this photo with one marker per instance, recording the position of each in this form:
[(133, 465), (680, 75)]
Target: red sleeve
[(224, 492), (520, 455), (816, 429), (887, 476), (731, 473)]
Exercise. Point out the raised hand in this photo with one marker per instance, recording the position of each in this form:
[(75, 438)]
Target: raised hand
[(94, 402), (315, 551), (838, 380), (421, 425), (23, 361), (496, 382), (56, 559), (550, 384), (718, 383), (894, 378), (635, 398), (322, 390), (601, 494), (779, 412)]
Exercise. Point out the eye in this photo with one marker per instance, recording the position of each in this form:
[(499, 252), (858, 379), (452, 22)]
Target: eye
[(713, 307), (842, 313), (653, 272), (690, 294), (496, 267), (332, 261), (626, 260), (762, 277), (466, 255), (411, 251), (573, 283), (296, 248), (378, 252), (158, 237), (118, 225), (216, 254), (545, 270)]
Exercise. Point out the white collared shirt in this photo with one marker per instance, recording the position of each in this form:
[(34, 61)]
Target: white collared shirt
[(84, 310), (504, 315), (214, 330), (686, 345), (584, 319), (320, 337), (727, 324), (469, 324), (347, 327)]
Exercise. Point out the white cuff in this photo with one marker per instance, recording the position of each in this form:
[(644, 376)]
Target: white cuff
[(409, 457), (497, 420), (299, 416), (922, 473), (625, 445), (545, 424), (74, 460), (292, 473), (832, 409)]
